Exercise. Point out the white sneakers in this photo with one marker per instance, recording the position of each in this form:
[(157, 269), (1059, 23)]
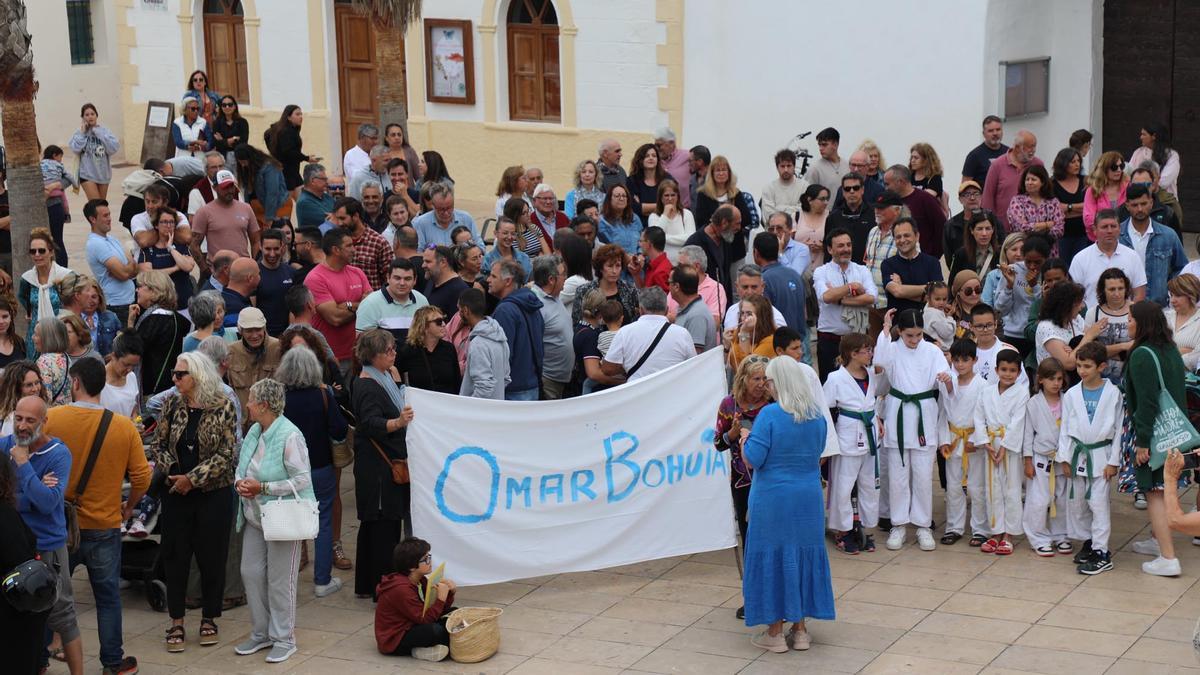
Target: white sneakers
[(1162, 567), (925, 539), (434, 653), (771, 643), (801, 641), (334, 585), (1147, 547), (895, 540)]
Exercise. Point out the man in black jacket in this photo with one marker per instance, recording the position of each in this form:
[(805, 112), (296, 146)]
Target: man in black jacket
[(853, 214)]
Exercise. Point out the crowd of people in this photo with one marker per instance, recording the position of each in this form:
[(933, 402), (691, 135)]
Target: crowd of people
[(266, 307)]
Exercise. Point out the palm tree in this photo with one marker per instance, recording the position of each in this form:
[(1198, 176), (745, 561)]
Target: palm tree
[(391, 19)]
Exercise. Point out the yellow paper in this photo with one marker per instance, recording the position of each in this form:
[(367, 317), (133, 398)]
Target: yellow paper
[(431, 583)]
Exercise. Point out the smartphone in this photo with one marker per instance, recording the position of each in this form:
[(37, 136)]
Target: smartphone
[(1191, 460)]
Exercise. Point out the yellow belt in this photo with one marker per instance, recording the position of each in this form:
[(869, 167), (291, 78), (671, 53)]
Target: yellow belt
[(961, 435), (993, 433)]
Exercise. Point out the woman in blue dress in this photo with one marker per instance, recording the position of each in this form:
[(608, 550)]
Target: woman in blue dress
[(786, 567)]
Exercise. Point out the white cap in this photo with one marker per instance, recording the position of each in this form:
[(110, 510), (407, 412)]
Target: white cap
[(225, 177)]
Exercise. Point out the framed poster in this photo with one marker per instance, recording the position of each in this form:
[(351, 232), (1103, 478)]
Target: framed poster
[(449, 62)]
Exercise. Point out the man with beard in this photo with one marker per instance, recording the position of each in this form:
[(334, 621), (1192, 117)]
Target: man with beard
[(251, 358), (274, 281), (714, 239)]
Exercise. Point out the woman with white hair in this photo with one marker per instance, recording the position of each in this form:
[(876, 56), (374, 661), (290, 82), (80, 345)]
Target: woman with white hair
[(787, 573), (273, 465), (51, 342), (194, 446), (190, 133)]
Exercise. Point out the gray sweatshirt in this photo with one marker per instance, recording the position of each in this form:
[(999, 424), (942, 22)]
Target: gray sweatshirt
[(1013, 304), (487, 362), (95, 150)]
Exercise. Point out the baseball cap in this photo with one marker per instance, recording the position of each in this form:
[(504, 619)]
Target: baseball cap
[(962, 187), (251, 317), (225, 177), (887, 198)]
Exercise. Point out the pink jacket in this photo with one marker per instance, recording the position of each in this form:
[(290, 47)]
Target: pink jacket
[(1094, 203)]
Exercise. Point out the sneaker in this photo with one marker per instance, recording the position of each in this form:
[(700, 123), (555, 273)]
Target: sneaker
[(434, 653), (334, 585), (1195, 541), (740, 613), (1044, 551), (252, 645), (1162, 567), (895, 540), (771, 643), (1084, 554), (1101, 561), (138, 529), (127, 666), (848, 543), (1139, 501), (801, 641), (1147, 547), (925, 539), (279, 653), (1064, 548), (868, 545)]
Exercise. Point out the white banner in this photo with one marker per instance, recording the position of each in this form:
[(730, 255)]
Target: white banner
[(509, 490)]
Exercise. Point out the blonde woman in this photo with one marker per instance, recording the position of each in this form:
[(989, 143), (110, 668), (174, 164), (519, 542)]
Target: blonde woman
[(1106, 189), (1183, 319), (927, 172), (720, 187), (1010, 252), (587, 186), (875, 161), (427, 360), (154, 319)]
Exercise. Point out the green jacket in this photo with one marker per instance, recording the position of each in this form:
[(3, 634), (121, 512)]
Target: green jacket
[(271, 470), (1142, 389)]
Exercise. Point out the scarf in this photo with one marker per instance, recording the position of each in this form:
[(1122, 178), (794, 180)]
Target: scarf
[(57, 274), (256, 352), (394, 391)]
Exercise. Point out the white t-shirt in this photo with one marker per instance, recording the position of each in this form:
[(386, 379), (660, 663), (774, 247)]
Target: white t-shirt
[(731, 316), (1090, 263), (1191, 268), (1047, 330), (632, 341), (141, 222), (122, 400), (354, 159), (830, 275)]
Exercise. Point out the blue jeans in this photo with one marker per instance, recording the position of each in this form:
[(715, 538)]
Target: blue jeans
[(527, 395), (100, 552), (324, 486)]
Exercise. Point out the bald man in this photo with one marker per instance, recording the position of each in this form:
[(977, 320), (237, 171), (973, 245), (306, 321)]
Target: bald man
[(859, 163), (1004, 174), (218, 272), (243, 282), (611, 171), (43, 466)]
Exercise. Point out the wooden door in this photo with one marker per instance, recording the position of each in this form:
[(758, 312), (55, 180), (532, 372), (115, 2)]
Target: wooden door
[(534, 90), (358, 72), (225, 49)]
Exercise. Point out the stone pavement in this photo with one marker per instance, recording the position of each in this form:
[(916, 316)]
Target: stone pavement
[(953, 610)]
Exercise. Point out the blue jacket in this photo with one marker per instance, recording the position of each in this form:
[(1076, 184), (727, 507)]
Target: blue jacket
[(1164, 258), (41, 507), (521, 318), (494, 256), (107, 327)]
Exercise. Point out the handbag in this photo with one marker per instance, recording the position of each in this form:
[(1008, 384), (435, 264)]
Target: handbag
[(285, 519), (343, 450), (399, 466), (71, 505), (1172, 429)]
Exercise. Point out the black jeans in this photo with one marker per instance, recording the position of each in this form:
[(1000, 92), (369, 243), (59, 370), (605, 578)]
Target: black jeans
[(57, 216), (827, 354), (196, 524), (424, 635), (377, 540)]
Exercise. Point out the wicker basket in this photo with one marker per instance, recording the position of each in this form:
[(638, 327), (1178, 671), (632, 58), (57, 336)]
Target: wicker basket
[(474, 633)]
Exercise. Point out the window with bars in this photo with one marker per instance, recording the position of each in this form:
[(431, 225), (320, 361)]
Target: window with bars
[(79, 31)]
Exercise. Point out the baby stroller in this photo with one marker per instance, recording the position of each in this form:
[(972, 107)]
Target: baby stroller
[(140, 556)]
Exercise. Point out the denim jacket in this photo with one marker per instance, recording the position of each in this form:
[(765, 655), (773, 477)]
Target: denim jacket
[(1164, 258), (107, 327)]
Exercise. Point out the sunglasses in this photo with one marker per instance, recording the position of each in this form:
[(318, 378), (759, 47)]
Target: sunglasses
[(1117, 167), (973, 290), (851, 188), (38, 251), (441, 321), (228, 104), (179, 374)]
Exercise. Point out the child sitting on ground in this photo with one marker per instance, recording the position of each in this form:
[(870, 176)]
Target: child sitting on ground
[(403, 627)]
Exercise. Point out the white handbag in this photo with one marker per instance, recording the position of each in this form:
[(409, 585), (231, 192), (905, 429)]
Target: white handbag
[(287, 519)]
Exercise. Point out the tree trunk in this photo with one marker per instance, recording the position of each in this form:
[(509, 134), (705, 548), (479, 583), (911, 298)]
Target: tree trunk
[(26, 204), (393, 85)]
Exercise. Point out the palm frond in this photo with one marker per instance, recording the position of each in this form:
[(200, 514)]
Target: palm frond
[(390, 12)]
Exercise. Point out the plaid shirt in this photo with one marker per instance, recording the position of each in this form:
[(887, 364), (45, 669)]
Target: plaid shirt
[(372, 255), (880, 247)]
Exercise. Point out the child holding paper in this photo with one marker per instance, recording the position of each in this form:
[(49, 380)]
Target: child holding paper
[(405, 625)]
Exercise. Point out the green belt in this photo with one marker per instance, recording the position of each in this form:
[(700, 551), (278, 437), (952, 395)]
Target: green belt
[(1079, 447), (867, 417), (916, 400)]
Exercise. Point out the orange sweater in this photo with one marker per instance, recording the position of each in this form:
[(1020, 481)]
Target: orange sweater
[(121, 454)]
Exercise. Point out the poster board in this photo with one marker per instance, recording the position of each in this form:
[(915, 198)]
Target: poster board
[(156, 139)]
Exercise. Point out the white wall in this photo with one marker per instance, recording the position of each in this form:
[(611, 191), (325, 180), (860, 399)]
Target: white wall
[(617, 73), (161, 73), (284, 55), (1066, 31), (66, 87)]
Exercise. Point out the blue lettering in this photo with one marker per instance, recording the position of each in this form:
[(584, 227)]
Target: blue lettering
[(552, 484), (662, 473), (613, 495), (708, 436), (695, 464), (439, 488), (581, 483), (674, 468), (519, 489), (718, 463)]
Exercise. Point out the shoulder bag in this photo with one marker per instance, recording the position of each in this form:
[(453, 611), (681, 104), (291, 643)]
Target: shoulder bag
[(289, 518), (1171, 426), (399, 467), (71, 506), (649, 350)]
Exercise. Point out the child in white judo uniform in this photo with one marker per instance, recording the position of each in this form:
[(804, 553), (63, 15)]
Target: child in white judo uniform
[(1045, 517), (1000, 430), (1089, 448), (964, 465), (850, 392), (914, 368)]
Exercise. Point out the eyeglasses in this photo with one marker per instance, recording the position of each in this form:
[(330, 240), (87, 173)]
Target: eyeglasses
[(971, 194), (851, 188), (428, 558), (984, 326), (441, 321), (821, 199), (179, 374), (38, 251), (972, 290)]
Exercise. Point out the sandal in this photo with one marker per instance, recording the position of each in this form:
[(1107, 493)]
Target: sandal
[(58, 654), (230, 603), (1004, 548), (208, 633), (1045, 551), (977, 540), (175, 639), (950, 538), (989, 546)]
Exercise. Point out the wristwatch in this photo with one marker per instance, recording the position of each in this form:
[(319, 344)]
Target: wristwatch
[(350, 306)]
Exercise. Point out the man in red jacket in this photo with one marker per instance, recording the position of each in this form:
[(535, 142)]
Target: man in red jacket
[(403, 626), (546, 214)]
